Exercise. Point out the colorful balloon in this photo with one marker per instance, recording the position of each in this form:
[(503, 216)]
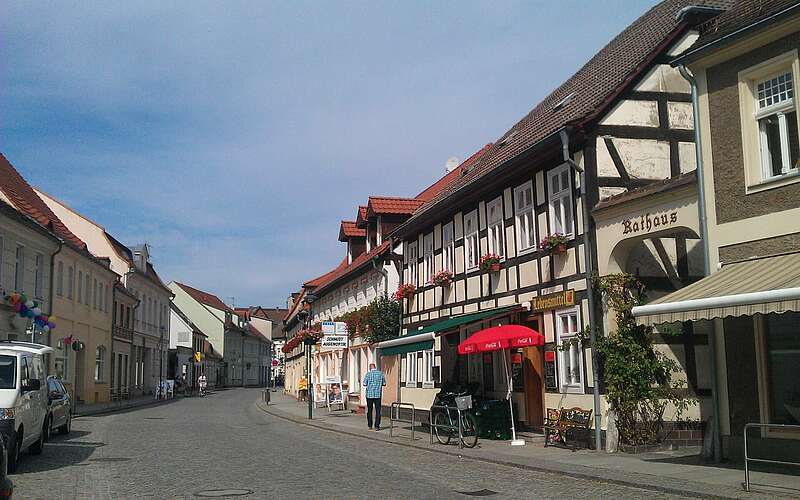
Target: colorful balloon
[(45, 328), (29, 304), (36, 311)]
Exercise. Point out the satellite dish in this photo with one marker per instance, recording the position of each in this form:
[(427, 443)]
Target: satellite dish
[(451, 164)]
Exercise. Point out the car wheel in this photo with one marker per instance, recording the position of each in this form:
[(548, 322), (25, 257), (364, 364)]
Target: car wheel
[(37, 447), (13, 453), (64, 429)]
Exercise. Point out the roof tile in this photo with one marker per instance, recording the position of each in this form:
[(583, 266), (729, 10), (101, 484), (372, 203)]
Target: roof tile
[(206, 298)]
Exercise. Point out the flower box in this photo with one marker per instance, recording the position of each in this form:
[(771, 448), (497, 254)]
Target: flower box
[(555, 243), (490, 262), (405, 291), (442, 278)]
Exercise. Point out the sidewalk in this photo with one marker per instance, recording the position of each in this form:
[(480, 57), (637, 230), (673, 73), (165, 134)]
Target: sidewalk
[(84, 410), (677, 472)]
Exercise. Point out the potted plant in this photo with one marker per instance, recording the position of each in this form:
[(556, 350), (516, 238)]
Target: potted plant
[(490, 262), (442, 278), (555, 243), (404, 291)]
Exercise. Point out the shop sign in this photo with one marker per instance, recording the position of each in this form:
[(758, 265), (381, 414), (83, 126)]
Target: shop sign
[(334, 342), (649, 222), (553, 301)]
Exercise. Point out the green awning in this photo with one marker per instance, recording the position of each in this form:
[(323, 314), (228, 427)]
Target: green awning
[(406, 348), (457, 321)]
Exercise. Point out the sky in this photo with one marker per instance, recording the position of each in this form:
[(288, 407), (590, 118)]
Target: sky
[(234, 136)]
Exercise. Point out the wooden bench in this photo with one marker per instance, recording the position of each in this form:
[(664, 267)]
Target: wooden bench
[(570, 424)]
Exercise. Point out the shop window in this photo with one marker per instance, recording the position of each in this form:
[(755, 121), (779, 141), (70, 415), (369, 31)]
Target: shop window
[(560, 201), (525, 217), (427, 254), (448, 248), (570, 352), (411, 369), (471, 244), (782, 339), (495, 230), (355, 384), (427, 369)]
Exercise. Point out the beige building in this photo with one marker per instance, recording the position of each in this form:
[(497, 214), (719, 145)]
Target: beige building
[(148, 344), (746, 68), (82, 292)]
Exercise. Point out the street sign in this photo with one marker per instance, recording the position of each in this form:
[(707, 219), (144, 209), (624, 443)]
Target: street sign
[(334, 341), (328, 328)]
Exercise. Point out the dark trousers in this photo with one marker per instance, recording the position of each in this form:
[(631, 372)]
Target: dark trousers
[(376, 403)]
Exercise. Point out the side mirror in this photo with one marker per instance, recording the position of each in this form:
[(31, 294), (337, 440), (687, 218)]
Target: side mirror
[(32, 385)]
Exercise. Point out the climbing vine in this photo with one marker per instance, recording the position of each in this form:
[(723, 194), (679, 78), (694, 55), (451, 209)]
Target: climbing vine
[(638, 378), (375, 322)]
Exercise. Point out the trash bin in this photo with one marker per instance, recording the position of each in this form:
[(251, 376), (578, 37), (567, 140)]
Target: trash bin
[(266, 395)]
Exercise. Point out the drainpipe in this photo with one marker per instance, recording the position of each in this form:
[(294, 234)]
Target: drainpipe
[(52, 298), (587, 252), (701, 209), (385, 294)]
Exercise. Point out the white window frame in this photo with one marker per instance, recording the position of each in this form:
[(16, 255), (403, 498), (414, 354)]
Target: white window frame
[(525, 218), (495, 231), (569, 382), (448, 248), (757, 164), (19, 268), (413, 249), (472, 247), (99, 363), (781, 110), (411, 369), (60, 278), (428, 362), (70, 281), (427, 255), (559, 201), (38, 276)]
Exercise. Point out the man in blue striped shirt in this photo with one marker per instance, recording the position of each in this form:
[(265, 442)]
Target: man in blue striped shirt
[(373, 384)]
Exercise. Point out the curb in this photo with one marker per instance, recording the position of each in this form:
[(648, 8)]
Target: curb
[(114, 409), (553, 469)]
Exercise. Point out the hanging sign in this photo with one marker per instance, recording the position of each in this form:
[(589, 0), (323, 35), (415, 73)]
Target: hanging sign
[(334, 342), (553, 301)]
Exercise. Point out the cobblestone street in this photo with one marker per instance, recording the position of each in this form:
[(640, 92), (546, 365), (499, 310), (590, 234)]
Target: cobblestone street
[(223, 442)]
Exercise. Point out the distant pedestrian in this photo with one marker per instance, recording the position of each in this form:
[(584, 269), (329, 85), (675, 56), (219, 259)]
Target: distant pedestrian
[(373, 383)]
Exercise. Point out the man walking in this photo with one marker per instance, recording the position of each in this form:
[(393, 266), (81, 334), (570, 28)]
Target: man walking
[(374, 382)]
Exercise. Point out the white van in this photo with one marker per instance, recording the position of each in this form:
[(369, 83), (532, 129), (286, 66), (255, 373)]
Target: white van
[(23, 398)]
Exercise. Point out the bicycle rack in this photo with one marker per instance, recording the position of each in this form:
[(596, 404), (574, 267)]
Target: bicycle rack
[(392, 418), (763, 460), (450, 427)]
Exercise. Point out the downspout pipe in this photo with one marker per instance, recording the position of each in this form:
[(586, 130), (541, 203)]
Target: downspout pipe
[(587, 252), (385, 274), (701, 210), (52, 296)]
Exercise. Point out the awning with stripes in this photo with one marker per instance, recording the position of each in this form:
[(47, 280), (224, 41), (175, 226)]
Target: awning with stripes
[(766, 285)]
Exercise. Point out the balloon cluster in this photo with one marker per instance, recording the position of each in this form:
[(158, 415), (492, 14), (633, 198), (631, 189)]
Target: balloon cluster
[(27, 308)]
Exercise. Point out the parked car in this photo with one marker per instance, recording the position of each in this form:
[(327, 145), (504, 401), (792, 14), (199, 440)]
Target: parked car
[(59, 416), (23, 398)]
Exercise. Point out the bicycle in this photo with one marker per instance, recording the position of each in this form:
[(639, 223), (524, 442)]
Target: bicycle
[(445, 421)]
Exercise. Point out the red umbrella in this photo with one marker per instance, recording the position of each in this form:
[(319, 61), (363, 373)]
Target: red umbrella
[(501, 337), (497, 338)]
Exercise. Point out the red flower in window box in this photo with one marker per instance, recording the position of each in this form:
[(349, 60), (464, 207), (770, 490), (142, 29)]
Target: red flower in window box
[(404, 291), (556, 243), (442, 278), (490, 262)]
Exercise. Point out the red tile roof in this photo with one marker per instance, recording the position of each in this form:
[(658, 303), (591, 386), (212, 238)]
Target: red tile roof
[(319, 280), (348, 229), (579, 99), (343, 271), (742, 14), (361, 217), (295, 305), (25, 199), (431, 191), (386, 205), (206, 298)]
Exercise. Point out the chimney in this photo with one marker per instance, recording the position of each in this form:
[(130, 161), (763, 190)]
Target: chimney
[(451, 164)]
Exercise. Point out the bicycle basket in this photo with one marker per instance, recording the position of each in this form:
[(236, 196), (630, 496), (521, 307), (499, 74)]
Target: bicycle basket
[(464, 402)]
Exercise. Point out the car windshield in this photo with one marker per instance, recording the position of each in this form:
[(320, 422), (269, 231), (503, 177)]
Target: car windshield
[(8, 372)]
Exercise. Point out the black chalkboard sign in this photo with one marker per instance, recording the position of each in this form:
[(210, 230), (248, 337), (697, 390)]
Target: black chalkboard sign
[(550, 381)]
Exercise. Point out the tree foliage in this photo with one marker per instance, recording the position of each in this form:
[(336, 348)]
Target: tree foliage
[(638, 379)]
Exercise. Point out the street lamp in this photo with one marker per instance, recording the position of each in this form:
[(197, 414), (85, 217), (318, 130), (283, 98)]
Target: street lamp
[(310, 298)]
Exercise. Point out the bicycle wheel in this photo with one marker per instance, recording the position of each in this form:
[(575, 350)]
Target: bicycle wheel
[(442, 428), (469, 431)]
